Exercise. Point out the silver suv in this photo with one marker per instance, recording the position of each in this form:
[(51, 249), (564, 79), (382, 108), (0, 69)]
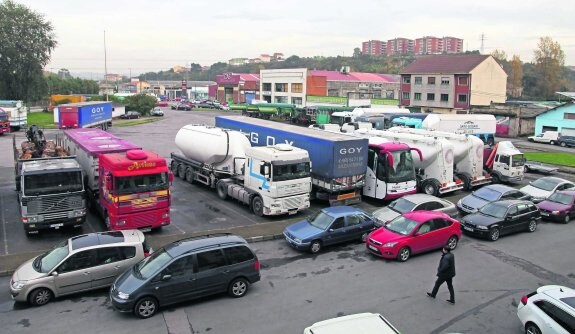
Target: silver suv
[(86, 262)]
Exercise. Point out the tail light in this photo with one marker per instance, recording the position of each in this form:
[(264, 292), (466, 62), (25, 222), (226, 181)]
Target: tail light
[(524, 300), (146, 254), (257, 265)]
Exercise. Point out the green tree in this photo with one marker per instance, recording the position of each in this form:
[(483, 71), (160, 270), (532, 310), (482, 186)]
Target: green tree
[(549, 67), (26, 43), (516, 77), (356, 52), (141, 103)]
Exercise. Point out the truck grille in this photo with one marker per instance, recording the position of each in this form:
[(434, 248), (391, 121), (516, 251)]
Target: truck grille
[(293, 203), (41, 205), (144, 220), (55, 215)]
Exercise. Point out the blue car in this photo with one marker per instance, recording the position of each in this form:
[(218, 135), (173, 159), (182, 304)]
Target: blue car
[(329, 226)]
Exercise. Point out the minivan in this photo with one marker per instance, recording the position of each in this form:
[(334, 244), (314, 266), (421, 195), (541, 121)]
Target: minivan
[(85, 262), (187, 269)]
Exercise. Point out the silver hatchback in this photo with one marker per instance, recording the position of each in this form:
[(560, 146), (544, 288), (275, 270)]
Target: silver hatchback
[(85, 262)]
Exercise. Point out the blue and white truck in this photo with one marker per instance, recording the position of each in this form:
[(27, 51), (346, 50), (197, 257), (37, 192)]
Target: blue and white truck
[(339, 162), (84, 115)]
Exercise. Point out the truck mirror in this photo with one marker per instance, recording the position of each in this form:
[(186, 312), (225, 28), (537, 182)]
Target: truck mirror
[(171, 177), (266, 171)]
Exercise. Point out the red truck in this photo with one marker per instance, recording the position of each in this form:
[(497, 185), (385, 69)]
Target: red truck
[(128, 186), (4, 122)]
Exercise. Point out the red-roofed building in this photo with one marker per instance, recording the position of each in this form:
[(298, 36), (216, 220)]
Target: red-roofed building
[(453, 83), (368, 85), (235, 87)]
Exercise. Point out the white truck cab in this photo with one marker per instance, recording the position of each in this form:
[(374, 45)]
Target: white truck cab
[(547, 137)]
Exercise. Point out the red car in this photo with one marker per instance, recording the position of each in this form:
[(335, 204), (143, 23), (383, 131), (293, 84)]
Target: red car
[(412, 233), (162, 104)]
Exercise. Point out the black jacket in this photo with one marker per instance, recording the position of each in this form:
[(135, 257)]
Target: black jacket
[(446, 267)]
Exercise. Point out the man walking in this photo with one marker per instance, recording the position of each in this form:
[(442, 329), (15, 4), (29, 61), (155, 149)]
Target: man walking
[(445, 273)]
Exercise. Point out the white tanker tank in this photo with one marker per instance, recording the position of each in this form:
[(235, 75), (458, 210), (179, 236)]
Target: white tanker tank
[(467, 154), (222, 150), (435, 169), (271, 180)]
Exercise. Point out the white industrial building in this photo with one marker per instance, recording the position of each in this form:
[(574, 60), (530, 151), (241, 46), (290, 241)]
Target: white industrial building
[(284, 86)]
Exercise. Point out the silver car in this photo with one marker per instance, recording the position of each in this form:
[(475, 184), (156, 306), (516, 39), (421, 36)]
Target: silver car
[(413, 202), (487, 194), (86, 262)]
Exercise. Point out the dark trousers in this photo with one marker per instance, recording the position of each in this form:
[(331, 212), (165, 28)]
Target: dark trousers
[(440, 281)]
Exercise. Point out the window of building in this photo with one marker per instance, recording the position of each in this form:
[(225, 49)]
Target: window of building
[(445, 80), (462, 81), (431, 80), (444, 97), (430, 97), (267, 86), (377, 94), (418, 80), (389, 94), (281, 99), (332, 92), (296, 88), (569, 115), (405, 95), (281, 87), (417, 96), (406, 79), (296, 100), (462, 98)]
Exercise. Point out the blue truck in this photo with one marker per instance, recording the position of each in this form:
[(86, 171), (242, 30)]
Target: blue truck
[(339, 162), (84, 115)]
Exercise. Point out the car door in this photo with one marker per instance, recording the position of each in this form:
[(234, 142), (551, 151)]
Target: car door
[(336, 233), (523, 218), (507, 225), (422, 238), (211, 274), (553, 318), (106, 267), (439, 233), (74, 274), (353, 227), (176, 281), (565, 186)]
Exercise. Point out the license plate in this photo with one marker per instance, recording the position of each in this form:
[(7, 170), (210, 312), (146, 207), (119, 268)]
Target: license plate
[(292, 212), (345, 196), (57, 225), (147, 229), (468, 228), (372, 248)]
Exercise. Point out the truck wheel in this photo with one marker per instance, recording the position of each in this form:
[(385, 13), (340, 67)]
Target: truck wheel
[(466, 179), (430, 187), (552, 142), (222, 191), (258, 206), (182, 171), (189, 175), (495, 178), (490, 141)]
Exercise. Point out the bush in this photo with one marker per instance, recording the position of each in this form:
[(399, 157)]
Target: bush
[(141, 103)]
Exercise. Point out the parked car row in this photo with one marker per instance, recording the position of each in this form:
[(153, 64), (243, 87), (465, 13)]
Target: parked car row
[(553, 138), (131, 115)]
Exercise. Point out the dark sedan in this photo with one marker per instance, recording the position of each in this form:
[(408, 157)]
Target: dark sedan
[(502, 217), (329, 226), (184, 106), (130, 114)]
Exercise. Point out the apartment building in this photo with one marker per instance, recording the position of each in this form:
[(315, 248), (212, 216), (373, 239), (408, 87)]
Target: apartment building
[(420, 46)]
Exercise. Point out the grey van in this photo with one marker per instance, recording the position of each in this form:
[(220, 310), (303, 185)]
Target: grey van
[(186, 269), (86, 262)]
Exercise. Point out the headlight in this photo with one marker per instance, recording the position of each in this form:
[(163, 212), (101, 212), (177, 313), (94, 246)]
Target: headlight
[(389, 244), (165, 215), (296, 240), (33, 219), (555, 212), (18, 285), (123, 296), (480, 227)]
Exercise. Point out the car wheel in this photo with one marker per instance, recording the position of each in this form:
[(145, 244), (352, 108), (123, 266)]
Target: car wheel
[(238, 288), (403, 254), (532, 226), (146, 307), (531, 328), (563, 144), (526, 169), (552, 142), (258, 206), (452, 242), (315, 247), (494, 234), (567, 219), (41, 296)]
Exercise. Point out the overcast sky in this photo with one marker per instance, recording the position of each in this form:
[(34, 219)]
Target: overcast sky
[(149, 35)]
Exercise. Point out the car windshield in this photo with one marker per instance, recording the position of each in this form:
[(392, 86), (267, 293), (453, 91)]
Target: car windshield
[(402, 169), (52, 183), (320, 220), (151, 265), (46, 262), (402, 225), (290, 171), (545, 184), (561, 198), (401, 205), (141, 183), (494, 210), (487, 194)]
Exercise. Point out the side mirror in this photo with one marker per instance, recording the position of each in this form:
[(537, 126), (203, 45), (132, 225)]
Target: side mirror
[(330, 230), (54, 273), (166, 277), (266, 171), (171, 177), (508, 217)]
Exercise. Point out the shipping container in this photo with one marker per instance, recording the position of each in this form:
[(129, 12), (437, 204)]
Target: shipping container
[(84, 115)]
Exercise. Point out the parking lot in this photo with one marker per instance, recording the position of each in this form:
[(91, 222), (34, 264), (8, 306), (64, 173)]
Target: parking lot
[(491, 277)]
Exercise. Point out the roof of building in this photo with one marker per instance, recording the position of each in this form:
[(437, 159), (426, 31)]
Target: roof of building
[(444, 64), (355, 76), (570, 95), (248, 76)]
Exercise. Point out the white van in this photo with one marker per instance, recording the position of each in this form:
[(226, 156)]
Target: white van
[(547, 137), (364, 323)]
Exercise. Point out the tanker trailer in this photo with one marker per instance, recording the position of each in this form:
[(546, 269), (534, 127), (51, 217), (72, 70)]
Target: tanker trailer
[(467, 155), (271, 180)]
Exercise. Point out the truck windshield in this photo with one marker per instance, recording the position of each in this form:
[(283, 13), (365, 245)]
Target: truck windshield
[(50, 183), (141, 183), (3, 117), (517, 160), (290, 172), (402, 169)]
